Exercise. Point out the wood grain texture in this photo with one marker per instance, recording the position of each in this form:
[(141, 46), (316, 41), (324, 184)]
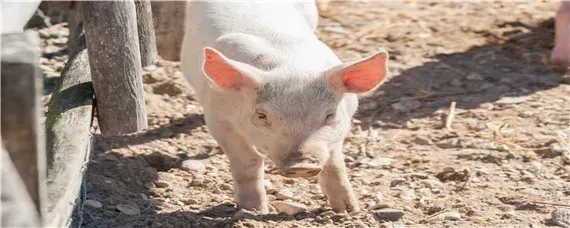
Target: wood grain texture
[(169, 27), (114, 57), (20, 107), (145, 27), (68, 135)]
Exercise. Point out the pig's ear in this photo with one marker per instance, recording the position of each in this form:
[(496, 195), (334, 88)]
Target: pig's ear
[(226, 73), (362, 76)]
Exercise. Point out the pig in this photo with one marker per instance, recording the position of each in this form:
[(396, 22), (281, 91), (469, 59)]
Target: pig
[(561, 52), (269, 87)]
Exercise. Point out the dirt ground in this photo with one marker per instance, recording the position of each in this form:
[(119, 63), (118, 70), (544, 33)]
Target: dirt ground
[(503, 163)]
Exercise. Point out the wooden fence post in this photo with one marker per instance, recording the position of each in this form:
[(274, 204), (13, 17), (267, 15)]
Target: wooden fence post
[(20, 104), (145, 27), (18, 209), (68, 126), (115, 62), (169, 19)]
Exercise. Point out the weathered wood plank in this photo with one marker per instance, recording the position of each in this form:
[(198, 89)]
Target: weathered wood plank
[(68, 126), (114, 57), (169, 19), (16, 14), (18, 209), (20, 105), (145, 27)]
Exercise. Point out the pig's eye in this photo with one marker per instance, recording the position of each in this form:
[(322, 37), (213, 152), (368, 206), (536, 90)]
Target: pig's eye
[(261, 116), (331, 119)]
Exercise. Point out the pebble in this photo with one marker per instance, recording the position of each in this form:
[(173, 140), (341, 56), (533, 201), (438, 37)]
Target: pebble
[(267, 184), (243, 214), (397, 182), (161, 184), (422, 140), (431, 184), (379, 196), (289, 208), (511, 100), (379, 206), (561, 217), (379, 162), (93, 203), (284, 194), (389, 214), (406, 195), (327, 213), (271, 198), (193, 165), (450, 215), (556, 149), (128, 209)]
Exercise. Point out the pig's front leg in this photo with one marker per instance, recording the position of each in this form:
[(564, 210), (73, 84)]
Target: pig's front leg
[(335, 185), (561, 51), (246, 166)]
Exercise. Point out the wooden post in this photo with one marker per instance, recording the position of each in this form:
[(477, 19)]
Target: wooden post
[(114, 57), (169, 19), (20, 105), (18, 209), (145, 27), (68, 135)]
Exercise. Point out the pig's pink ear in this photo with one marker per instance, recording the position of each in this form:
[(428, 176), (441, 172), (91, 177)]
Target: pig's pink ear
[(226, 73), (362, 76)]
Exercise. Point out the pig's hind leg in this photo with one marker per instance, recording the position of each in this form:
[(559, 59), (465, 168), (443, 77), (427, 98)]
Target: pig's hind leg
[(561, 51), (246, 166), (335, 184)]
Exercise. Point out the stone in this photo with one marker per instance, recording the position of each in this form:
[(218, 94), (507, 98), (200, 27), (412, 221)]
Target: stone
[(511, 100), (397, 182), (422, 140), (379, 196), (556, 149), (128, 209), (561, 217), (289, 208), (243, 214), (284, 194), (448, 215), (327, 213), (193, 165), (431, 184), (406, 195), (271, 198), (93, 203), (161, 184), (267, 184), (379, 206), (389, 214)]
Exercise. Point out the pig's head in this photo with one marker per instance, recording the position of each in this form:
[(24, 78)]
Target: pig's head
[(296, 120)]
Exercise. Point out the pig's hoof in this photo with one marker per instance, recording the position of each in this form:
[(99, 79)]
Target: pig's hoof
[(344, 205), (560, 57), (303, 171)]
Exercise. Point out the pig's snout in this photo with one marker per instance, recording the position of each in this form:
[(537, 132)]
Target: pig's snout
[(302, 169)]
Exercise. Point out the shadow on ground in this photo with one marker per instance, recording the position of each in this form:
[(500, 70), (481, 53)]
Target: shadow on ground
[(515, 67)]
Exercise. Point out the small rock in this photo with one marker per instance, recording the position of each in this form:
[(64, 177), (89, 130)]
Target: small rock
[(193, 165), (422, 140), (189, 201), (271, 198), (379, 206), (400, 107), (450, 215), (284, 194), (561, 217), (389, 214), (556, 149), (93, 203), (128, 209), (419, 176), (406, 195), (379, 162), (289, 208), (475, 76), (431, 184), (327, 213), (161, 184), (243, 214), (397, 182), (511, 100), (379, 196)]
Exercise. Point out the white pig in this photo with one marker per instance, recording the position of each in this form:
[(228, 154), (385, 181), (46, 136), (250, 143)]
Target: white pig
[(269, 86)]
